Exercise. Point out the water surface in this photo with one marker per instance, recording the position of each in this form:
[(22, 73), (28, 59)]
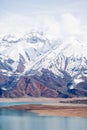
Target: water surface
[(23, 120), (21, 103)]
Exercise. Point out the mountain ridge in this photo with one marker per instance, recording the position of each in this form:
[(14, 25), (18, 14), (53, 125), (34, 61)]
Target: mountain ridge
[(47, 68)]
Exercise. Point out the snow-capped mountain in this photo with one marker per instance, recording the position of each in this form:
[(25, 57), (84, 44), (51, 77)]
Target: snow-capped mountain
[(32, 65), (17, 54), (34, 52), (69, 57)]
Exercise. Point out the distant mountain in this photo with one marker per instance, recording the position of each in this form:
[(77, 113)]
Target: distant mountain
[(70, 56), (18, 53), (33, 65)]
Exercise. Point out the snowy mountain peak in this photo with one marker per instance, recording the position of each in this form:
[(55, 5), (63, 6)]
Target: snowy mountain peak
[(17, 54), (69, 56), (34, 52), (35, 37), (61, 66), (9, 39), (73, 48)]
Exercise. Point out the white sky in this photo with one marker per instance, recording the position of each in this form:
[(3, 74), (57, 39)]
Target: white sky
[(57, 18)]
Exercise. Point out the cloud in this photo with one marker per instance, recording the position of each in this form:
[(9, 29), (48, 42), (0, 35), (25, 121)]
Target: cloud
[(67, 26), (23, 24), (71, 27), (70, 24)]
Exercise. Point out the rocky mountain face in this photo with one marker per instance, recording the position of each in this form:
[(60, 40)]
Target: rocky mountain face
[(46, 85), (34, 66)]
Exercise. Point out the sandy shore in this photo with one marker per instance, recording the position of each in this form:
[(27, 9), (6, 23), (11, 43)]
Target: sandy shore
[(63, 110), (30, 99), (41, 99), (54, 108)]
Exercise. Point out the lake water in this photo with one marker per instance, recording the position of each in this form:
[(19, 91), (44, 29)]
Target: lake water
[(21, 103), (23, 120)]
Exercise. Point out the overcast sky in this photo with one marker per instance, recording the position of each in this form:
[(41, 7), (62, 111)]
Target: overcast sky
[(52, 7), (60, 16)]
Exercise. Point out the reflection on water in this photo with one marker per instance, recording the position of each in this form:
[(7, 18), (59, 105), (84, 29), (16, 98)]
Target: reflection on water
[(22, 120)]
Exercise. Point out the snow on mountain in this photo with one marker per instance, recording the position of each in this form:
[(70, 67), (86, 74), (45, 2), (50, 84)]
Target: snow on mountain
[(33, 52), (61, 66), (18, 53), (70, 57)]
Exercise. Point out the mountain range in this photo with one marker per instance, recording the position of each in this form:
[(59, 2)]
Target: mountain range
[(33, 65)]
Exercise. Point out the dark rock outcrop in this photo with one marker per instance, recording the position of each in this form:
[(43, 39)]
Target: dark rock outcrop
[(27, 86), (3, 79), (45, 85)]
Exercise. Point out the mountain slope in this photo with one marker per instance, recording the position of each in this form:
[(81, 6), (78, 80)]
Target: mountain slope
[(19, 53), (35, 66), (70, 56)]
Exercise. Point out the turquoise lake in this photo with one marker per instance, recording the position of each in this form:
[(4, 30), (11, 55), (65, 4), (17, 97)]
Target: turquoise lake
[(23, 120)]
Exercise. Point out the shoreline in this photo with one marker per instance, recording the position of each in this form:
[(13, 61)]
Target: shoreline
[(52, 110), (51, 107), (41, 99)]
